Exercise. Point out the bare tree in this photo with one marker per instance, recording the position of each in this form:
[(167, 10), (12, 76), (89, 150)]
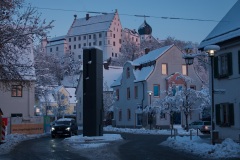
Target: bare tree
[(19, 29)]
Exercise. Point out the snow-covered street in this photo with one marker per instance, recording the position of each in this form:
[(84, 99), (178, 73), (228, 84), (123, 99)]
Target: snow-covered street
[(199, 146)]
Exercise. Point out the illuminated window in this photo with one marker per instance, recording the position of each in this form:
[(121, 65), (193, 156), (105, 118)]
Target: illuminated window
[(164, 69), (184, 70)]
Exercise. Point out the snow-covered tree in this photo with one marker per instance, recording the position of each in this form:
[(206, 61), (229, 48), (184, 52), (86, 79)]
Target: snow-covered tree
[(20, 27), (129, 52), (168, 105)]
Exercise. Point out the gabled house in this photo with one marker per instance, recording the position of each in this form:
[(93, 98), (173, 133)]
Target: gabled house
[(18, 99), (57, 101), (226, 34), (149, 73)]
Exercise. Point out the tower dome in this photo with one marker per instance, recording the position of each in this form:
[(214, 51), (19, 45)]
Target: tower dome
[(145, 29)]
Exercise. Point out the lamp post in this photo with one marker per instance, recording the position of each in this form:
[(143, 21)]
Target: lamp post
[(189, 57), (150, 117)]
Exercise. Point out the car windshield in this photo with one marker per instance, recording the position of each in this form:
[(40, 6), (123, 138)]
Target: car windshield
[(63, 122)]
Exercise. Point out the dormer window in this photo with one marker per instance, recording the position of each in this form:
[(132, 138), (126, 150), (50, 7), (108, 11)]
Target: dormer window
[(128, 72)]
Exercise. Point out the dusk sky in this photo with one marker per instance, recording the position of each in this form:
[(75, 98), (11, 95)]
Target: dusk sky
[(187, 30)]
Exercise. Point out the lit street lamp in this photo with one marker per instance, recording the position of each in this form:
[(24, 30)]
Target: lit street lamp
[(150, 116), (189, 57)]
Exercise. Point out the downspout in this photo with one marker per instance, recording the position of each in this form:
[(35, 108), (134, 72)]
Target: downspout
[(28, 102)]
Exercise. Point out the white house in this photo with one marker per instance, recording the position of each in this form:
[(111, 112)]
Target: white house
[(148, 73), (226, 34)]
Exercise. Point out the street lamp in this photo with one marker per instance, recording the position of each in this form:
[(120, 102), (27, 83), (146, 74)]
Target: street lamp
[(150, 116), (189, 57)]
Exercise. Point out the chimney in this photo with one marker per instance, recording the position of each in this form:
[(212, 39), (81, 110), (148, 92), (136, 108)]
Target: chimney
[(147, 50), (75, 16), (87, 16)]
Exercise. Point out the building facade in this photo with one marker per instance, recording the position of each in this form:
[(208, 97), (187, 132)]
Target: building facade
[(148, 73), (226, 74), (103, 31)]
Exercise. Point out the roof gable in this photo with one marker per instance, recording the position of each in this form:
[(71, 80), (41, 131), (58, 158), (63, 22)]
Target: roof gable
[(227, 28), (151, 56), (92, 25)]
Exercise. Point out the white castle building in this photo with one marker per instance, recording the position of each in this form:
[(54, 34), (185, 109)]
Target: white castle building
[(104, 31)]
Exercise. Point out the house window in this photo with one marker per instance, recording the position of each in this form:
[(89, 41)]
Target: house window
[(156, 90), (84, 37), (108, 41), (128, 93), (184, 69), (84, 44), (128, 72), (89, 36), (69, 47), (90, 44), (50, 49), (193, 87), (115, 54), (128, 114), (69, 39), (164, 69), (79, 57), (117, 94), (79, 38), (136, 92), (79, 45), (120, 115), (74, 38), (56, 48), (113, 43), (112, 54), (223, 65), (113, 35), (16, 91), (94, 36), (225, 114), (120, 41), (100, 43), (74, 46), (100, 35)]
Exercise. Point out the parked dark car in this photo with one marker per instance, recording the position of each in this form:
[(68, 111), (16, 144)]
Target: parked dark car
[(203, 126), (64, 127)]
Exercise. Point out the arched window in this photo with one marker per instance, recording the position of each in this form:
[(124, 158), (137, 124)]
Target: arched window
[(128, 72)]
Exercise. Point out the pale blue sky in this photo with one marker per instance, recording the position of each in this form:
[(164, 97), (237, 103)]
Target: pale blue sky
[(185, 30)]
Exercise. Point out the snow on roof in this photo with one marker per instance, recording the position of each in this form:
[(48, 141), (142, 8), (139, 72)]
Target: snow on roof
[(92, 25), (143, 74), (56, 41), (110, 75), (227, 28), (65, 119), (151, 56)]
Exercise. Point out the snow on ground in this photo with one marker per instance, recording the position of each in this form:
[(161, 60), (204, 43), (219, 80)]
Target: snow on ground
[(11, 140), (79, 142), (198, 145)]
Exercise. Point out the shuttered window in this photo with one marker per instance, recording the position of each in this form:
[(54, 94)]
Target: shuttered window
[(225, 114)]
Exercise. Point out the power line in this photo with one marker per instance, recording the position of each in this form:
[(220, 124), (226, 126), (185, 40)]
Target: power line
[(123, 14)]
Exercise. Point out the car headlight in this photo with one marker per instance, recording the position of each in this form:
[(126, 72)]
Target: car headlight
[(68, 128), (52, 129)]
